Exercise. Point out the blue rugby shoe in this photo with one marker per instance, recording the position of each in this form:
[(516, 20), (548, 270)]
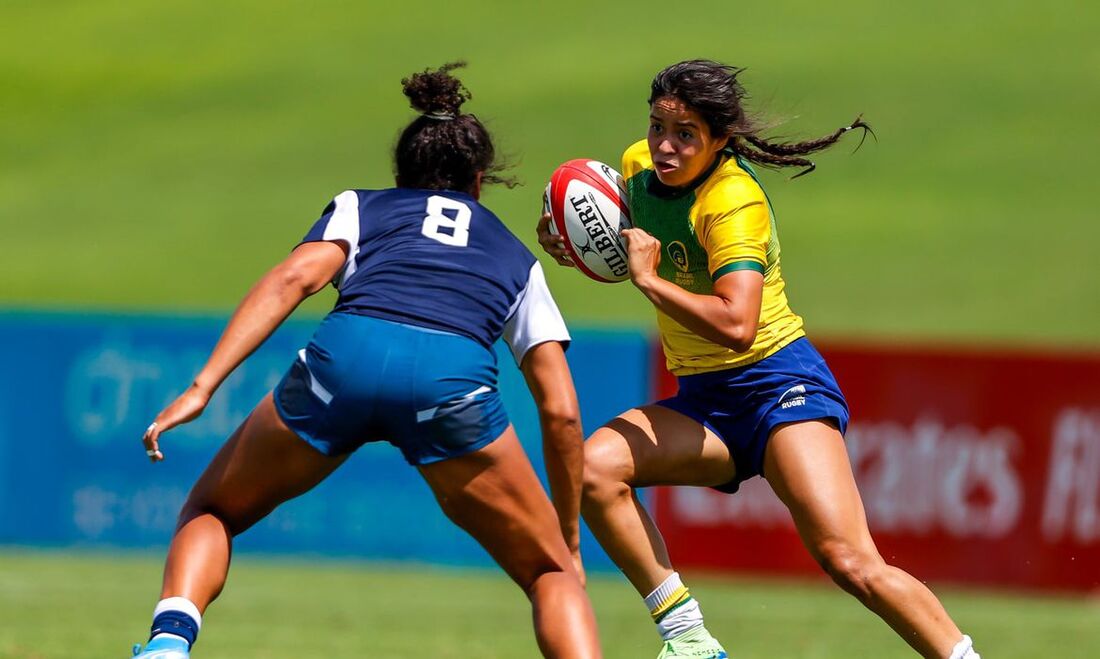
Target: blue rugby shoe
[(696, 643), (165, 647)]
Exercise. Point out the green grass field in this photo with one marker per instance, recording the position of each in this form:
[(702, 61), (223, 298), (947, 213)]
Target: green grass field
[(72, 606), (170, 151)]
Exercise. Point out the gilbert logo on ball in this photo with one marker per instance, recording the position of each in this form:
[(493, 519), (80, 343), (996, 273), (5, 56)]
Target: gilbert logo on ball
[(588, 207)]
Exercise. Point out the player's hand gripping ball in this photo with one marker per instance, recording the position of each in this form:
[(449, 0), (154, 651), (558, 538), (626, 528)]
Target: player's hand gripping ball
[(588, 208)]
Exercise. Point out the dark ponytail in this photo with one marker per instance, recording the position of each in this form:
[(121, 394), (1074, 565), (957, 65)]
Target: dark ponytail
[(712, 90), (444, 149)]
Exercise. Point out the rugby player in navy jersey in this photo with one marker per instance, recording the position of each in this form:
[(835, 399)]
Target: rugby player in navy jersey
[(428, 280)]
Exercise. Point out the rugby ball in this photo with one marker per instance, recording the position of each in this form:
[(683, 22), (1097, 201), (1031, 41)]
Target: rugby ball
[(587, 203)]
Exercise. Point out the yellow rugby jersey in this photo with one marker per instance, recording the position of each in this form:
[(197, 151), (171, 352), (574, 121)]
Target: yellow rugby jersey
[(722, 224)]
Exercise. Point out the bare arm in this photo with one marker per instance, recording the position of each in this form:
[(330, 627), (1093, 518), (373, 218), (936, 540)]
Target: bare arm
[(263, 309), (729, 317), (547, 374)]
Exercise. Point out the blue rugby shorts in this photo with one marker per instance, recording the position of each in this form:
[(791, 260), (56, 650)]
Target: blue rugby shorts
[(431, 394), (744, 405)]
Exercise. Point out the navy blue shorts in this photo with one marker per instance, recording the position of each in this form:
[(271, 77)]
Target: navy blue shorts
[(431, 394), (744, 405)]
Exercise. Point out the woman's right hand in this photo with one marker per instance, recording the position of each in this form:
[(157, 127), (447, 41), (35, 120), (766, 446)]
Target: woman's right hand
[(188, 406), (552, 244), (643, 253)]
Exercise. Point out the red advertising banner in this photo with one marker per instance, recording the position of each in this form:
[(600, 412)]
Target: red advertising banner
[(975, 467)]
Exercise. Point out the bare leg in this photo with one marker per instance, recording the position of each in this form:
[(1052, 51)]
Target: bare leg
[(495, 496), (807, 466), (651, 445), (261, 465)]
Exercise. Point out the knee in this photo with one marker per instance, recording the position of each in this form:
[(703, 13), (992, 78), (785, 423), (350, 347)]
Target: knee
[(550, 583), (193, 506), (234, 521), (856, 570), (529, 574), (605, 479)]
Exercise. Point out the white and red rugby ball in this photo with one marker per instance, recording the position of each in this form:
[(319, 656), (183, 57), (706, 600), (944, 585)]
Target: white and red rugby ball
[(587, 202)]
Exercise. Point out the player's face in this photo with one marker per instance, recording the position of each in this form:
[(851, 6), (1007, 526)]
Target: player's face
[(680, 142)]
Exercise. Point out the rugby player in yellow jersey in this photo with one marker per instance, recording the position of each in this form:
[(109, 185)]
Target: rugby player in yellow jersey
[(755, 397)]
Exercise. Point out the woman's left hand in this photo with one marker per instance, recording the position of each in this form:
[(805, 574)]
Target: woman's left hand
[(643, 253)]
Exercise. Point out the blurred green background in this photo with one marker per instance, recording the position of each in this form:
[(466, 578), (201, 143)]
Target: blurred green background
[(161, 155)]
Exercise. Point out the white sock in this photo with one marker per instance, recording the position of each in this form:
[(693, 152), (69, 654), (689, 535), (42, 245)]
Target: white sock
[(964, 649), (673, 608), (181, 604)]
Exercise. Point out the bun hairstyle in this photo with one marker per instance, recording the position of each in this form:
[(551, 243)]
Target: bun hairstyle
[(436, 92), (444, 149), (713, 90)]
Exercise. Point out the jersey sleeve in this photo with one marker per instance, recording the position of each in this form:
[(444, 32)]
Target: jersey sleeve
[(735, 234), (534, 317), (339, 222)]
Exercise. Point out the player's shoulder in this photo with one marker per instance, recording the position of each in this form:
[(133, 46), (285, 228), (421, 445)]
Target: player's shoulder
[(731, 186), (636, 158), (392, 193), (410, 198), (351, 197)]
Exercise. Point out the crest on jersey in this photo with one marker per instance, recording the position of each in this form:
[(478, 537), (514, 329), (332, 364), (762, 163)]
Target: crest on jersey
[(679, 255)]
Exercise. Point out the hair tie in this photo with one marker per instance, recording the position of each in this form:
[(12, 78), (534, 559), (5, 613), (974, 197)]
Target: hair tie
[(440, 116)]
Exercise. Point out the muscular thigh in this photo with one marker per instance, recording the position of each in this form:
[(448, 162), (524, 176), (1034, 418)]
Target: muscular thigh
[(653, 445), (495, 496), (261, 465), (808, 467)]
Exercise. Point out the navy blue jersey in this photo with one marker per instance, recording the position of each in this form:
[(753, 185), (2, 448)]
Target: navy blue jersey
[(440, 260)]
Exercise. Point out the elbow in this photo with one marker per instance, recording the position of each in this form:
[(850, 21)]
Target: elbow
[(296, 281), (562, 417), (740, 337)]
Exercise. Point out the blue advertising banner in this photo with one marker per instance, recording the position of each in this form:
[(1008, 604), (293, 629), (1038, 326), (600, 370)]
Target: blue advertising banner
[(78, 390)]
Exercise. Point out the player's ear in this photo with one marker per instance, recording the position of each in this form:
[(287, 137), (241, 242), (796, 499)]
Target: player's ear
[(718, 141), (477, 185)]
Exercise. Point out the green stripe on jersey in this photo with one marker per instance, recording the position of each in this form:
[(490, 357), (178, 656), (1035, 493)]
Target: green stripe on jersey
[(735, 266)]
